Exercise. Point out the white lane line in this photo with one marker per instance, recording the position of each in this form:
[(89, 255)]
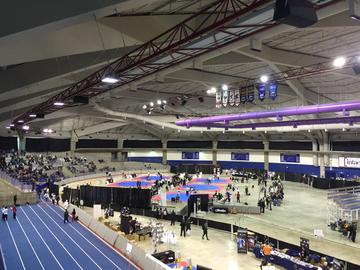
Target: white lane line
[(57, 239), (27, 238), (69, 237), (17, 250), (42, 239), (85, 239)]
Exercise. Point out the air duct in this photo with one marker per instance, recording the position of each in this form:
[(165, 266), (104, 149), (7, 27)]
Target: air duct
[(290, 111)]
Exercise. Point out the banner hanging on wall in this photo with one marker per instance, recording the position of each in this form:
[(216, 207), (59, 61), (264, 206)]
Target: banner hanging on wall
[(190, 155), (291, 158), (239, 156)]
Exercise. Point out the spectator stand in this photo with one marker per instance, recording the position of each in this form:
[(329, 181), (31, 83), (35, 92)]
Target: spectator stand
[(344, 203)]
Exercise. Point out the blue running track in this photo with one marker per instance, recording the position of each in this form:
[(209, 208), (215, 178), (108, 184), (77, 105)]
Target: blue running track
[(39, 239)]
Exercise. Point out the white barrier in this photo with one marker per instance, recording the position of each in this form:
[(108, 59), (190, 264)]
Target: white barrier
[(136, 255)]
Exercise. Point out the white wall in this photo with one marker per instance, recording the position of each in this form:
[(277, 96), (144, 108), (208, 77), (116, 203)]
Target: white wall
[(139, 153)]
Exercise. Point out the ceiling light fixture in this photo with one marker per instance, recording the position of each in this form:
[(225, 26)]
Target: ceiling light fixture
[(144, 106), (11, 125), (59, 103), (164, 101), (32, 115), (224, 87), (109, 80), (158, 102), (8, 127), (20, 121), (264, 78), (151, 104), (211, 91), (339, 62), (25, 127)]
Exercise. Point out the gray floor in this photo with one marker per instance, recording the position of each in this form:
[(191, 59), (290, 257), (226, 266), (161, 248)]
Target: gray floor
[(303, 210)]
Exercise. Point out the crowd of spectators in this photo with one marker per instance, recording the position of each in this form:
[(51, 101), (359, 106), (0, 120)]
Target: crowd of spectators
[(30, 168)]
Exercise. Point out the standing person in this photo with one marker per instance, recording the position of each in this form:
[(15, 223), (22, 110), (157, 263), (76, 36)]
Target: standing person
[(238, 196), (66, 216), (205, 230), (183, 227), (172, 218), (246, 190), (57, 199), (266, 249), (73, 215), (188, 225), (66, 204), (53, 198), (14, 211), (15, 199), (4, 213)]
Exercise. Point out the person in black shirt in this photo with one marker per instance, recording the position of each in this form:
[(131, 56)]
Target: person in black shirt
[(205, 230)]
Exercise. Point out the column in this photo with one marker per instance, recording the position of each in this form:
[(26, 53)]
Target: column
[(21, 141), (326, 149), (164, 152), (321, 160), (266, 155), (315, 154), (73, 140), (214, 152)]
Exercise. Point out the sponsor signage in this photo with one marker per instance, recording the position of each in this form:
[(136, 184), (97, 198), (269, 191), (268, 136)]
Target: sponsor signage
[(351, 162), (291, 158), (190, 155), (239, 156)]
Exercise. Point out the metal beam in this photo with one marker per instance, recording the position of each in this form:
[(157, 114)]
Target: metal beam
[(100, 127)]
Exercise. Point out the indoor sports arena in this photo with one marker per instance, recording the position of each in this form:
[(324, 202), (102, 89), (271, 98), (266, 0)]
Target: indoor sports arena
[(180, 134)]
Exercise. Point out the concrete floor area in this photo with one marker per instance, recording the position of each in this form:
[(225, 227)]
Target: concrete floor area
[(303, 210)]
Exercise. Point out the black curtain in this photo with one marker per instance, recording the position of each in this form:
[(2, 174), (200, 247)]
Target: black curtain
[(290, 145), (240, 145), (47, 145), (117, 197), (8, 143), (190, 144), (96, 143), (142, 144)]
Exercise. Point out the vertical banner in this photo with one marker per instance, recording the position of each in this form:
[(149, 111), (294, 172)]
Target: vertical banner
[(250, 241), (218, 99), (304, 248), (273, 89), (261, 91), (225, 98), (231, 97), (241, 241), (250, 93), (243, 95), (237, 97)]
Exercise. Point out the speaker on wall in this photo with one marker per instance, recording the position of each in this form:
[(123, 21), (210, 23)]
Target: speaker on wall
[(298, 13)]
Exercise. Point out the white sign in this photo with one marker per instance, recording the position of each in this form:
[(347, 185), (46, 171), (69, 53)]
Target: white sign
[(351, 162), (97, 211), (128, 248)]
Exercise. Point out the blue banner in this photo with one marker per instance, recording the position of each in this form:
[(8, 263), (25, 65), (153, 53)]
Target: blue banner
[(273, 89), (239, 156), (291, 158), (190, 155), (262, 91)]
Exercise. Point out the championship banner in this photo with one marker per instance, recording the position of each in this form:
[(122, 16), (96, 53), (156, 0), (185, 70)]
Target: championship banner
[(237, 97), (218, 99), (225, 98), (352, 162), (261, 91), (273, 90), (243, 95), (231, 98), (250, 93)]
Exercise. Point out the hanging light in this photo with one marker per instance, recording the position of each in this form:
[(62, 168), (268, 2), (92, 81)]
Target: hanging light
[(109, 80), (224, 87), (158, 102), (144, 107), (339, 62), (264, 78)]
